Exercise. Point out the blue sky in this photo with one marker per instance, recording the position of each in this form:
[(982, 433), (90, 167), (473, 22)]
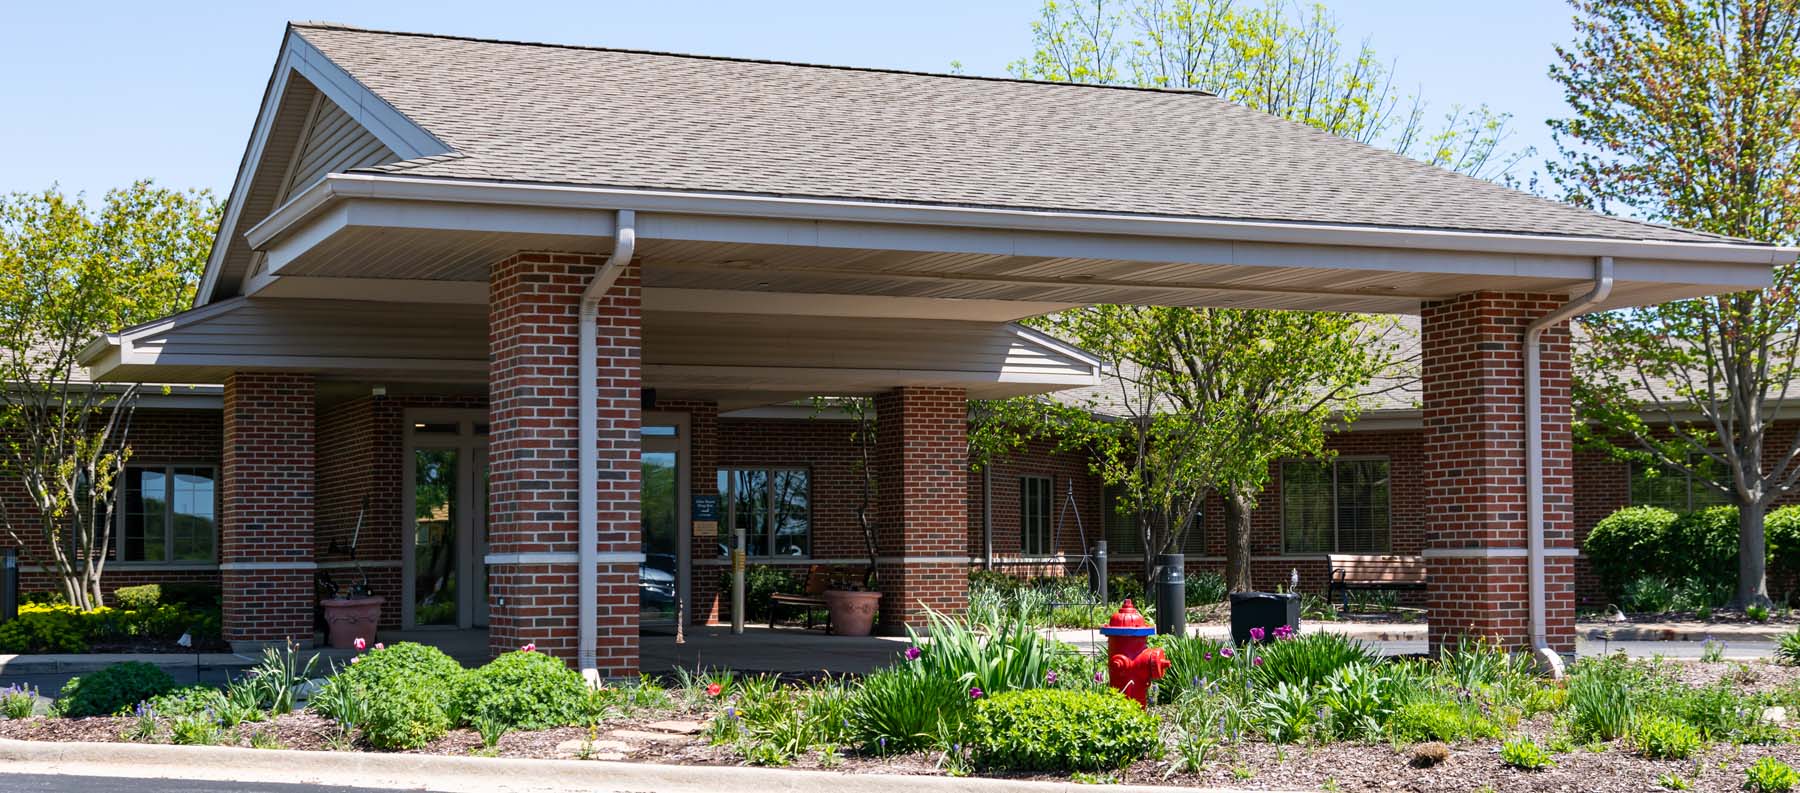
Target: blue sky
[(96, 94)]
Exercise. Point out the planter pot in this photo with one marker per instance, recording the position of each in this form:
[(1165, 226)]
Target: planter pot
[(349, 619), (852, 613)]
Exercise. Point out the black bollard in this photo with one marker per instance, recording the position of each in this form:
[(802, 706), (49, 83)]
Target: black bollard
[(1171, 595)]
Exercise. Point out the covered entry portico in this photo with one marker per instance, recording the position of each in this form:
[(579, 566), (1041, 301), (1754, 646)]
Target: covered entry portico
[(441, 244)]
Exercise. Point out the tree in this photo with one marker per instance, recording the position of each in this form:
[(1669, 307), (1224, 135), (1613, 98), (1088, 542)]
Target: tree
[(1283, 60), (67, 274), (1207, 400), (1689, 114)]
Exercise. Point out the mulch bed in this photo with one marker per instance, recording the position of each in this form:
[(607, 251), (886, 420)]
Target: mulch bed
[(1251, 765)]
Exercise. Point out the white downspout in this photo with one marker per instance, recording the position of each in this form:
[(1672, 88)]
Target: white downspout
[(587, 506), (1534, 447)]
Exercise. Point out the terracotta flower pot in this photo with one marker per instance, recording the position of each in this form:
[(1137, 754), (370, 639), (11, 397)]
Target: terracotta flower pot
[(852, 613), (349, 619)]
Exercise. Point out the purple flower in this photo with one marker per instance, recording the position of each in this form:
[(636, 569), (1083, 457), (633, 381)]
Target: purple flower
[(1099, 677), (1257, 661), (1207, 657), (883, 742), (1257, 634), (1050, 677), (974, 693), (1226, 652), (1283, 631), (913, 653)]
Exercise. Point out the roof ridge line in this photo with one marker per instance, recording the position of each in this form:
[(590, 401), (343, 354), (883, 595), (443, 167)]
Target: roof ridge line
[(317, 25)]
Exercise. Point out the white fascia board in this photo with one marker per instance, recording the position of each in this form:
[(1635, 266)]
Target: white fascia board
[(811, 377), (728, 301), (1057, 345), (855, 224), (378, 290), (298, 56)]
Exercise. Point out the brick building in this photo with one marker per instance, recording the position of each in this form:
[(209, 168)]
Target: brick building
[(549, 303)]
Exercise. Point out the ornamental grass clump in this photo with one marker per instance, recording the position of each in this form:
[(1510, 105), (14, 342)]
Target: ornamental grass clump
[(1004, 657), (1601, 701), (1307, 657), (1050, 730), (901, 709), (523, 690)]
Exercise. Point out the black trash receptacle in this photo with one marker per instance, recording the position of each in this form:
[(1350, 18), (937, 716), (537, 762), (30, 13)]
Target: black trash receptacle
[(1265, 610)]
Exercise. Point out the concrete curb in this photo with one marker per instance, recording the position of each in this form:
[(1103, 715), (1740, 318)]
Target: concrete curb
[(1680, 632), (475, 774)]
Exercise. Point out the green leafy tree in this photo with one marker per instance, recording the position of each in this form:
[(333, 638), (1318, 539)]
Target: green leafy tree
[(1688, 113), (67, 274), (1204, 401), (1286, 60)]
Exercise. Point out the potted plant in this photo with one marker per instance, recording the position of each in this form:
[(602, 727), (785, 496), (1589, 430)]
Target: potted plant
[(353, 612), (853, 607)]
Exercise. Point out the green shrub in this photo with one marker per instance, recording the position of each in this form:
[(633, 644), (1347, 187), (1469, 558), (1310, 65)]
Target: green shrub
[(1781, 529), (1053, 730), (1625, 545), (187, 701), (1205, 589), (1664, 738), (44, 629), (761, 581), (1769, 775), (901, 710), (407, 666), (1307, 657), (1439, 718), (524, 691), (404, 717), (111, 690), (1524, 754), (1359, 699), (1648, 595), (138, 597), (1286, 712)]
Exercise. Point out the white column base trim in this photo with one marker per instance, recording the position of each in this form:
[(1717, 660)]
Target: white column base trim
[(1495, 553), (561, 557), (243, 566)]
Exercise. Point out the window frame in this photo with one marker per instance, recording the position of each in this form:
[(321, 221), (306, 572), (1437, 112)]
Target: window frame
[(120, 515), (1692, 486), (728, 516), (1049, 506), (1333, 483), (1193, 544)]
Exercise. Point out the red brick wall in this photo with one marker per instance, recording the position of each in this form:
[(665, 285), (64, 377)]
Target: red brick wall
[(1475, 466), (534, 300), (266, 543), (157, 436), (922, 458)]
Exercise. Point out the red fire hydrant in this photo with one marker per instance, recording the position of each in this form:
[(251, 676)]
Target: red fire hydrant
[(1132, 665)]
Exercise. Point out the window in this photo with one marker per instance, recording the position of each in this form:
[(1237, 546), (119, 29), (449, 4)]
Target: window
[(1034, 515), (167, 514), (1122, 537), (1335, 507), (1676, 489), (772, 505)]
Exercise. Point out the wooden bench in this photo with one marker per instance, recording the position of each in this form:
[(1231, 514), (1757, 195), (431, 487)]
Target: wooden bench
[(1374, 572), (812, 596)]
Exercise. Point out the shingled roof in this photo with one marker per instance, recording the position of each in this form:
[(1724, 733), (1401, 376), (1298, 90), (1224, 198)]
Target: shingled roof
[(555, 114)]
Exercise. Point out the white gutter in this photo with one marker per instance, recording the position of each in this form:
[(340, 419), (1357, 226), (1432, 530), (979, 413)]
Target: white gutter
[(1534, 440), (587, 506)]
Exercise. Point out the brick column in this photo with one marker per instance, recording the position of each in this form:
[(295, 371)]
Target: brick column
[(266, 562), (922, 463), (533, 304), (1475, 525)]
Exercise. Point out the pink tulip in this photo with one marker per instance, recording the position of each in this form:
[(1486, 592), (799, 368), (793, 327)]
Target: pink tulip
[(354, 659), (380, 646), (530, 647), (361, 643)]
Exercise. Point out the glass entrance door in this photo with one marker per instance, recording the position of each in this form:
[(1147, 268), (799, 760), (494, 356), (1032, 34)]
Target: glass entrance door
[(445, 578), (662, 577)]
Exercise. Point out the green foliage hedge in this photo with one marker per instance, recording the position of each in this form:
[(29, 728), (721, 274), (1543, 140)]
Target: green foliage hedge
[(116, 688), (524, 691), (61, 628), (1637, 543), (1061, 730), (409, 692)]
